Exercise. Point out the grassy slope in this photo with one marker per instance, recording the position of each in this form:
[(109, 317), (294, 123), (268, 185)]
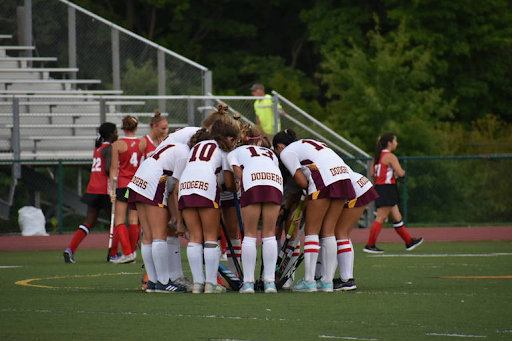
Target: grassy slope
[(397, 299)]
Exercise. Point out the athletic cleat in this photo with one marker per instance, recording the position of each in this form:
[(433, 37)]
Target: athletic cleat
[(372, 249), (170, 287), (303, 286), (198, 288), (340, 285), (247, 288), (144, 282), (115, 257), (69, 256), (184, 282), (289, 284), (211, 288), (150, 287), (413, 244), (125, 259), (270, 288), (324, 287)]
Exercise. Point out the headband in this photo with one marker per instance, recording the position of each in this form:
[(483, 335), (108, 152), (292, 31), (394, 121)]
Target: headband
[(248, 138), (157, 123)]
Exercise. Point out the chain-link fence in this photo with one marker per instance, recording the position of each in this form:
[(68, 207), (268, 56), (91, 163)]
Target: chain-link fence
[(100, 50), (437, 191)]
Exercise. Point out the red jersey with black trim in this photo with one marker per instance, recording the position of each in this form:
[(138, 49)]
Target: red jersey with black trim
[(98, 182), (384, 174), (129, 161), (150, 147)]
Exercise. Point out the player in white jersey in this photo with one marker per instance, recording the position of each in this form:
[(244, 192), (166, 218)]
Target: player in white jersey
[(365, 194), (199, 200), (318, 168), (149, 194), (262, 192)]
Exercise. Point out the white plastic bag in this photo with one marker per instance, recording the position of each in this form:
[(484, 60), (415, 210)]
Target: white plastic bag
[(31, 220)]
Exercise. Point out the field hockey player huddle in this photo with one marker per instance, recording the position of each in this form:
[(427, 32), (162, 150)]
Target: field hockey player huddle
[(227, 181)]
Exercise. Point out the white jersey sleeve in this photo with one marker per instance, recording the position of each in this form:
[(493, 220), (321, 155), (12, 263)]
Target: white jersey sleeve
[(182, 135)]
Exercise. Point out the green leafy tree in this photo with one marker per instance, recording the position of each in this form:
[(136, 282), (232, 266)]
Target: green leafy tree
[(386, 88)]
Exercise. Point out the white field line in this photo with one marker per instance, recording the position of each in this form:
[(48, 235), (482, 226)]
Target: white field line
[(150, 314), (455, 335), (345, 337), (446, 255), (231, 340), (10, 266)]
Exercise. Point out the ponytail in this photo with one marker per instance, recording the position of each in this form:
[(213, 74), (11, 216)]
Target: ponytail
[(104, 133), (381, 145), (285, 137), (129, 123), (201, 135)]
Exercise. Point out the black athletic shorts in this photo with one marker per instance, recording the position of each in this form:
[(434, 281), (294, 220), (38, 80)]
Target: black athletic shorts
[(101, 201), (388, 195), (121, 194)]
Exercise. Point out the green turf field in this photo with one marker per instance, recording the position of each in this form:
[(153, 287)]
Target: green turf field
[(398, 298)]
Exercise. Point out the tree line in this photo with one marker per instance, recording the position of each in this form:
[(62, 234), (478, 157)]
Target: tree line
[(437, 73)]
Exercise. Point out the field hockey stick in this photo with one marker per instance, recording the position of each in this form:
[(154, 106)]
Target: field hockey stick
[(112, 219), (239, 215), (232, 250), (289, 234), (289, 254), (288, 274), (234, 282)]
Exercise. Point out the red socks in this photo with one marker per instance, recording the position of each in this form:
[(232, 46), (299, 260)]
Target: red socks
[(374, 233), (124, 238), (134, 232), (81, 232), (402, 231)]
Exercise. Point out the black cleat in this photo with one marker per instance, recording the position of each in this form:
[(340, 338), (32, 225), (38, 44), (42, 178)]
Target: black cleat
[(413, 244), (372, 249), (340, 285)]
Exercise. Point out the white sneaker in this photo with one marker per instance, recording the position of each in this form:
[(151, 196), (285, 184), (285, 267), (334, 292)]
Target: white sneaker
[(184, 282), (212, 288), (224, 257), (124, 259), (198, 288)]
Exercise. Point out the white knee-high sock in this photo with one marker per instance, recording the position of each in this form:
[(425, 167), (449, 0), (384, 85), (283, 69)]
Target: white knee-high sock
[(311, 248), (161, 259), (249, 253), (212, 255), (345, 259), (329, 260), (269, 250), (195, 261), (149, 265), (175, 268), (237, 247)]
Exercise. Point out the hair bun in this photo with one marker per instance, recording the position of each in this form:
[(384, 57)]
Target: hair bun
[(222, 109)]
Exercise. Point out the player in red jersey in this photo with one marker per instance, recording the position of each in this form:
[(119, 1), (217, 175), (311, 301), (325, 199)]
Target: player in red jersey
[(96, 196), (126, 156), (159, 130), (385, 168)]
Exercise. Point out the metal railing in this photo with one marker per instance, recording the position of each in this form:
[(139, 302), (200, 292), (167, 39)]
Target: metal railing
[(437, 190), (100, 49)]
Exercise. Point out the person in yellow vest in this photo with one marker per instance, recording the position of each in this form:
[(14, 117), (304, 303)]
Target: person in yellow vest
[(264, 109)]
